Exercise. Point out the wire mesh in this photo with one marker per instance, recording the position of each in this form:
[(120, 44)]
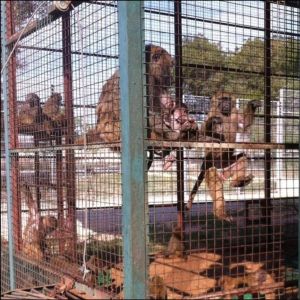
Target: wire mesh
[(234, 231), (221, 99)]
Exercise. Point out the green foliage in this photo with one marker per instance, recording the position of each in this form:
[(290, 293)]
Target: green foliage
[(200, 51), (248, 61)]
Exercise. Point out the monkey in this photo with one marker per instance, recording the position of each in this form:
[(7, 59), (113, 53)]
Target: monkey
[(52, 107), (222, 123), (175, 245), (37, 227), (181, 125), (31, 111), (157, 288), (254, 276)]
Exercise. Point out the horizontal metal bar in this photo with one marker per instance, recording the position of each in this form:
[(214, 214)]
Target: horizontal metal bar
[(208, 145), (194, 18), (72, 52), (166, 144), (158, 205), (35, 25), (229, 69), (65, 147)]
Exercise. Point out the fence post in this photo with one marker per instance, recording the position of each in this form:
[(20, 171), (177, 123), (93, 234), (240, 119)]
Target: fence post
[(131, 47), (4, 78)]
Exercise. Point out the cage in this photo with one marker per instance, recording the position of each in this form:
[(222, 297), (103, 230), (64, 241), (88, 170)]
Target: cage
[(150, 149)]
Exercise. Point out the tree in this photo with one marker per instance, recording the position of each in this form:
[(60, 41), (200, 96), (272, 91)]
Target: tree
[(248, 62), (201, 52)]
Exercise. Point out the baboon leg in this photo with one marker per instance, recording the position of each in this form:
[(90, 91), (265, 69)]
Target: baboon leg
[(215, 188), (238, 172)]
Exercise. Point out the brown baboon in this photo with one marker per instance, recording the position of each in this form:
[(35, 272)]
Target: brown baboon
[(181, 127), (157, 288), (159, 64), (30, 112), (222, 122), (254, 277), (37, 227), (175, 245), (52, 107)]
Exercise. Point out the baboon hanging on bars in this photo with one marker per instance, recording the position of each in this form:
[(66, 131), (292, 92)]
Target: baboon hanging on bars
[(37, 227), (223, 122), (159, 65)]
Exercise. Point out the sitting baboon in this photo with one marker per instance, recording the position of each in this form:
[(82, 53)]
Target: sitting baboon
[(37, 227), (222, 122)]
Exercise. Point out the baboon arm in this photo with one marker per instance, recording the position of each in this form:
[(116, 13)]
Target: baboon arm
[(32, 205), (248, 113)]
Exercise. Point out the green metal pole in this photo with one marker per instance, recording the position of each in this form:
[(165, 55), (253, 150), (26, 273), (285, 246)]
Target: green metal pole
[(131, 48), (4, 96)]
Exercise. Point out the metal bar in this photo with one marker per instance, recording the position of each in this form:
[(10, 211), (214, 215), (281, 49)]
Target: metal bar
[(235, 70), (203, 20), (37, 173), (59, 192), (70, 158), (4, 96), (72, 52), (266, 205), (134, 209), (35, 25), (117, 207), (13, 133), (170, 144), (179, 94)]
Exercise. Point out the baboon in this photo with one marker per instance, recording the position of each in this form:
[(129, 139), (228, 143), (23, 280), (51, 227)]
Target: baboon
[(181, 126), (222, 122), (157, 288), (52, 107), (31, 111), (175, 245), (159, 64), (37, 227), (254, 277)]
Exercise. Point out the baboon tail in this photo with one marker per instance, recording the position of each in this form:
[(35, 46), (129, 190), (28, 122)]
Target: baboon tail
[(196, 187), (32, 205)]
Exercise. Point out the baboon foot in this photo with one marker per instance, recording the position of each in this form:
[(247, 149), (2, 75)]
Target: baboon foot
[(224, 217), (241, 182), (169, 161)]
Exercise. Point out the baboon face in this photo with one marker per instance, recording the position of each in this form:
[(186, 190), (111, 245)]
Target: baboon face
[(160, 65), (225, 102), (180, 114), (33, 100), (49, 223), (56, 98), (225, 105), (167, 101)]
